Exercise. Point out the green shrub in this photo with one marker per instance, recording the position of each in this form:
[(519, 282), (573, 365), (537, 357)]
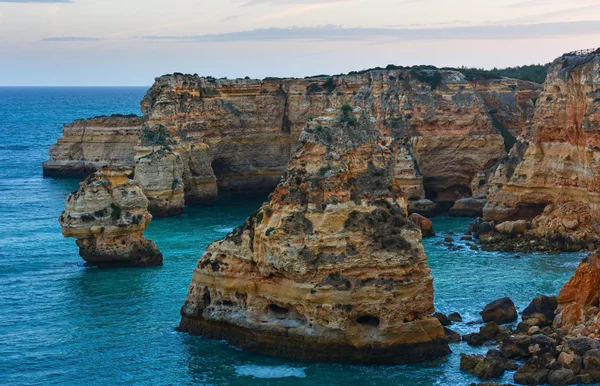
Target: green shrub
[(313, 88), (116, 211)]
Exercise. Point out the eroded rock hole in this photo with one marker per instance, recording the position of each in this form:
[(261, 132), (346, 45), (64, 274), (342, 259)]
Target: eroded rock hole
[(274, 308), (368, 320)]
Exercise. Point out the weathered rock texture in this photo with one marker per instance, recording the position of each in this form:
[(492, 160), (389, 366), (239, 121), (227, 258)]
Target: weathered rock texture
[(108, 216), (251, 127), (88, 145), (578, 300), (330, 268), (552, 176)]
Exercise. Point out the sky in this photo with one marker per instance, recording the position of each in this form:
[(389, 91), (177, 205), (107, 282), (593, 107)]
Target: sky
[(130, 42)]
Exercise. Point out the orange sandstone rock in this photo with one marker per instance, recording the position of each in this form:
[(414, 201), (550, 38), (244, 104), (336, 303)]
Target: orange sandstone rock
[(330, 268), (108, 216), (552, 176)]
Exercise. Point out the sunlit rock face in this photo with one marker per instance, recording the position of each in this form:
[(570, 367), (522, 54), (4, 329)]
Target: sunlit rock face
[(551, 177), (108, 215), (247, 129), (88, 145), (578, 312), (330, 268), (252, 126)]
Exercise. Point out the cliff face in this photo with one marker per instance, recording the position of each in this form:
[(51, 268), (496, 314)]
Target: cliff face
[(108, 216), (510, 101), (88, 145), (552, 176), (252, 126), (247, 129), (330, 268)]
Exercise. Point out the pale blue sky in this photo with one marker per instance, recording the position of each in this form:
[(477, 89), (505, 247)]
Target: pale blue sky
[(130, 42)]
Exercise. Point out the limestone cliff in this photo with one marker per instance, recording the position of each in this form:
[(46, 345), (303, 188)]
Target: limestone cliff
[(247, 129), (330, 268), (552, 176), (88, 145), (108, 215), (252, 126)]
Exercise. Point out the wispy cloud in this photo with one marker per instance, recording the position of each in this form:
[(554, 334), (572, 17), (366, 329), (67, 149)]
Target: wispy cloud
[(36, 1), (338, 33), (231, 18), (71, 39), (281, 2)]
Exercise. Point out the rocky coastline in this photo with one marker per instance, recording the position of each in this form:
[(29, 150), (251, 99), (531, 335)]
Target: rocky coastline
[(236, 136)]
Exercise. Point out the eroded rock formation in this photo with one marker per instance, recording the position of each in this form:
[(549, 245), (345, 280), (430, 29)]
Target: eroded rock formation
[(88, 145), (551, 178), (108, 215), (330, 268), (251, 127)]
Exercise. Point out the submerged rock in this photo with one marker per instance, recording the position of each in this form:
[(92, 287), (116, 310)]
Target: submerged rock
[(108, 215), (330, 268)]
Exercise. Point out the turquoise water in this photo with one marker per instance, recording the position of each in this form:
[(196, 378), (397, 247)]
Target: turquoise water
[(63, 324)]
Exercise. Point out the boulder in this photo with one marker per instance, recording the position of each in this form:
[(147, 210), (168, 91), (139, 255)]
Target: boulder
[(500, 311), (542, 308), (423, 223), (532, 372), (451, 335), (455, 317), (442, 318), (512, 228), (483, 367)]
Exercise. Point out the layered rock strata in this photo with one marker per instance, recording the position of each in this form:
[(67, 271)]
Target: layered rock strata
[(551, 178), (88, 145), (330, 268), (108, 215), (251, 126)]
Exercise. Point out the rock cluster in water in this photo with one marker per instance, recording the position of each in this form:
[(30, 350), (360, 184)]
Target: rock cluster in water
[(330, 268), (108, 215), (557, 342)]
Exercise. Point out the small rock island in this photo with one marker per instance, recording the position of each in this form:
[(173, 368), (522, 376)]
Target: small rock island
[(108, 215)]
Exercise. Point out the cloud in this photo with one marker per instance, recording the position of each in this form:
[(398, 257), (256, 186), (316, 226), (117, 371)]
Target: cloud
[(280, 2), (231, 18), (339, 33), (36, 1), (71, 39)]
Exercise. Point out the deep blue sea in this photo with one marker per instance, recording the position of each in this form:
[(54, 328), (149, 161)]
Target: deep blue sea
[(64, 324)]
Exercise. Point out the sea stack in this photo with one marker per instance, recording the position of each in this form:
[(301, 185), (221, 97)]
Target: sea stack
[(330, 268), (108, 215)]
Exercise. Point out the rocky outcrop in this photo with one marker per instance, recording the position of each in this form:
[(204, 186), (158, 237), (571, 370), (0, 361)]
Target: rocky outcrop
[(552, 176), (88, 145), (108, 215), (251, 127), (330, 268), (577, 309)]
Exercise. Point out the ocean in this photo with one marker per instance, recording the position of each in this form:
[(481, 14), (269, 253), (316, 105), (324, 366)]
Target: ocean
[(64, 324)]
